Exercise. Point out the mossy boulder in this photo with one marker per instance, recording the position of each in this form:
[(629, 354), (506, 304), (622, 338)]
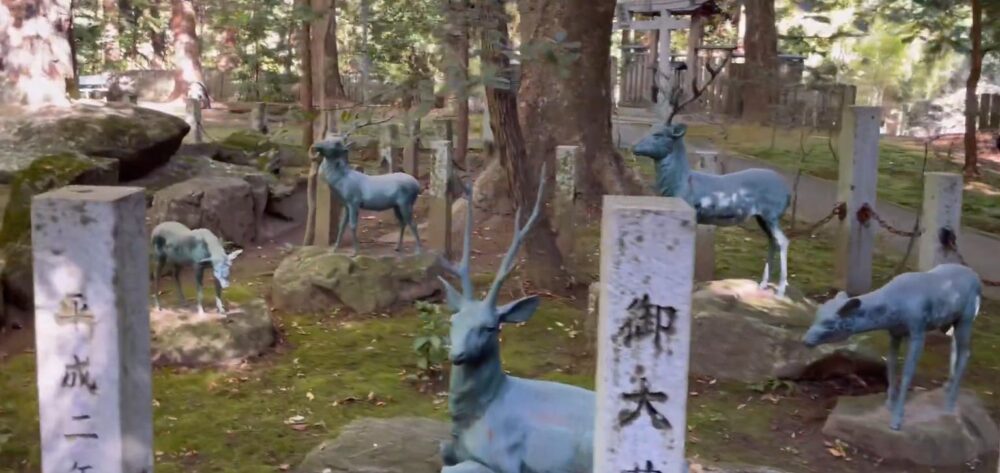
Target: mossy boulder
[(315, 279), (255, 149), (44, 173), (395, 445), (138, 138), (228, 206), (184, 338)]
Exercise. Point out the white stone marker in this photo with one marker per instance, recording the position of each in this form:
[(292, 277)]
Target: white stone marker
[(857, 149), (194, 119), (439, 221), (389, 151), (644, 334), (91, 277), (565, 199), (942, 209), (704, 252)]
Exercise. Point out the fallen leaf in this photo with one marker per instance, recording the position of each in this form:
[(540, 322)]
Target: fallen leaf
[(310, 396), (299, 427), (284, 467)]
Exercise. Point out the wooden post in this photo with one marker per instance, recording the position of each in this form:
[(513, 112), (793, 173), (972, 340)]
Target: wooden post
[(644, 334), (439, 223), (567, 165), (858, 154), (91, 272), (194, 119), (695, 35), (942, 209), (704, 252), (328, 209), (258, 117)]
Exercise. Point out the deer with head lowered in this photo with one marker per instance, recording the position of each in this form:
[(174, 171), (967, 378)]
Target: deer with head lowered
[(397, 191), (723, 200), (177, 245), (500, 423)]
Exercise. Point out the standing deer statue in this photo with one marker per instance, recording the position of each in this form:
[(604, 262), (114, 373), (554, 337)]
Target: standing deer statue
[(722, 200), (500, 423), (397, 191), (177, 245), (944, 298)]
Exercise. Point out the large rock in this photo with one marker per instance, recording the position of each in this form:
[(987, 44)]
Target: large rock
[(181, 337), (139, 139), (929, 435), (42, 174), (398, 445), (742, 333), (228, 206), (313, 279)]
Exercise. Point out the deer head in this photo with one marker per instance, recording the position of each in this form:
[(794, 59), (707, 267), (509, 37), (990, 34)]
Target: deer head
[(475, 323), (834, 321), (334, 147), (660, 143)]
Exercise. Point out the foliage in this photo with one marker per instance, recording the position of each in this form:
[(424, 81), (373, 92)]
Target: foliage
[(879, 68), (772, 386), (430, 343)]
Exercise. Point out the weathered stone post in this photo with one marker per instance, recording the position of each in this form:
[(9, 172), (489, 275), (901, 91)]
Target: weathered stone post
[(194, 119), (565, 199), (91, 276), (411, 152), (704, 252), (486, 131), (439, 222), (389, 151), (942, 209), (445, 129), (857, 149), (644, 334), (258, 117)]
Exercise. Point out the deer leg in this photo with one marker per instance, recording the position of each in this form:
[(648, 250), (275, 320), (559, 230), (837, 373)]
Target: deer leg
[(402, 227), (408, 218), (782, 241), (353, 215), (890, 367), (218, 296), (177, 281), (158, 265), (771, 247), (199, 273), (340, 230), (960, 351), (916, 345), (467, 467)]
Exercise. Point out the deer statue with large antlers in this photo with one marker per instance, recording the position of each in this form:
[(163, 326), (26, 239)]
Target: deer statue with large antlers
[(723, 200), (500, 423)]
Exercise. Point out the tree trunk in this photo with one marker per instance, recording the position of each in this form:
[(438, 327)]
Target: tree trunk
[(333, 86), (551, 106), (306, 103), (544, 266), (157, 39), (36, 57), (110, 34), (327, 87), (457, 65), (761, 42), (187, 53), (971, 167)]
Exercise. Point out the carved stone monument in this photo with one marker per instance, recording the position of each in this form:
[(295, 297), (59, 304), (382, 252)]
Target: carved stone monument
[(644, 333), (91, 276)]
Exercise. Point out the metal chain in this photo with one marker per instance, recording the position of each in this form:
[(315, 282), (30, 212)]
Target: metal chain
[(838, 210), (950, 243), (866, 213)]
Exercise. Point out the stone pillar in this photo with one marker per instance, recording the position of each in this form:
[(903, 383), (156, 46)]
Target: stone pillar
[(445, 129), (663, 64), (194, 119), (439, 222), (389, 151), (411, 151), (942, 209), (258, 117), (704, 252), (644, 334), (567, 159), (857, 149), (486, 131), (695, 34), (91, 272)]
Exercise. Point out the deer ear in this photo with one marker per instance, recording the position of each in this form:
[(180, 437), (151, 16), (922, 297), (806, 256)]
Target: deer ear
[(849, 308), (518, 311), (454, 297), (680, 130)]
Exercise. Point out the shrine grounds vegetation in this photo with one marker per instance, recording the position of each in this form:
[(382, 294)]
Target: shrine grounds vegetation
[(332, 368)]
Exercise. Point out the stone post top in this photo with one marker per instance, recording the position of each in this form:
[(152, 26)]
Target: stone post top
[(673, 204), (89, 193), (943, 174), (440, 144)]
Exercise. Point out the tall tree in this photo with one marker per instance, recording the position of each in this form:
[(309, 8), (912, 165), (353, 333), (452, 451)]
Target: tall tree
[(326, 82), (187, 52), (36, 57), (457, 71), (303, 9), (761, 66), (110, 33), (971, 167)]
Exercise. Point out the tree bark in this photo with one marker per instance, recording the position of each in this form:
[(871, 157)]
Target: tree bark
[(306, 103), (544, 266), (327, 86), (971, 167), (187, 52), (761, 43), (110, 33), (157, 39), (36, 57), (458, 73)]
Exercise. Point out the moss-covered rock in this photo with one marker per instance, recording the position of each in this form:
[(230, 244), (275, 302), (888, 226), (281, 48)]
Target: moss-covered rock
[(44, 173), (230, 207), (187, 339), (139, 139), (315, 279), (252, 148), (397, 445)]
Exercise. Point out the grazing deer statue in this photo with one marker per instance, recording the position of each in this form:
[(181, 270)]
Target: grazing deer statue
[(503, 424), (723, 200), (177, 245), (944, 298), (397, 191)]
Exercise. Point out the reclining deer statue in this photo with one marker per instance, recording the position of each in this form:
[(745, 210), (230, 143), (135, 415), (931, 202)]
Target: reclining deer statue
[(500, 423), (177, 245), (723, 200), (944, 298), (397, 191)]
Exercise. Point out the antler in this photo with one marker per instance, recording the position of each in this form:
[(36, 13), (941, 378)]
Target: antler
[(462, 271), (357, 126), (696, 92), (519, 233)]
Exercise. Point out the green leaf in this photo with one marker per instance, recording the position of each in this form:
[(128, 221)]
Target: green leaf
[(436, 342), (419, 343)]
